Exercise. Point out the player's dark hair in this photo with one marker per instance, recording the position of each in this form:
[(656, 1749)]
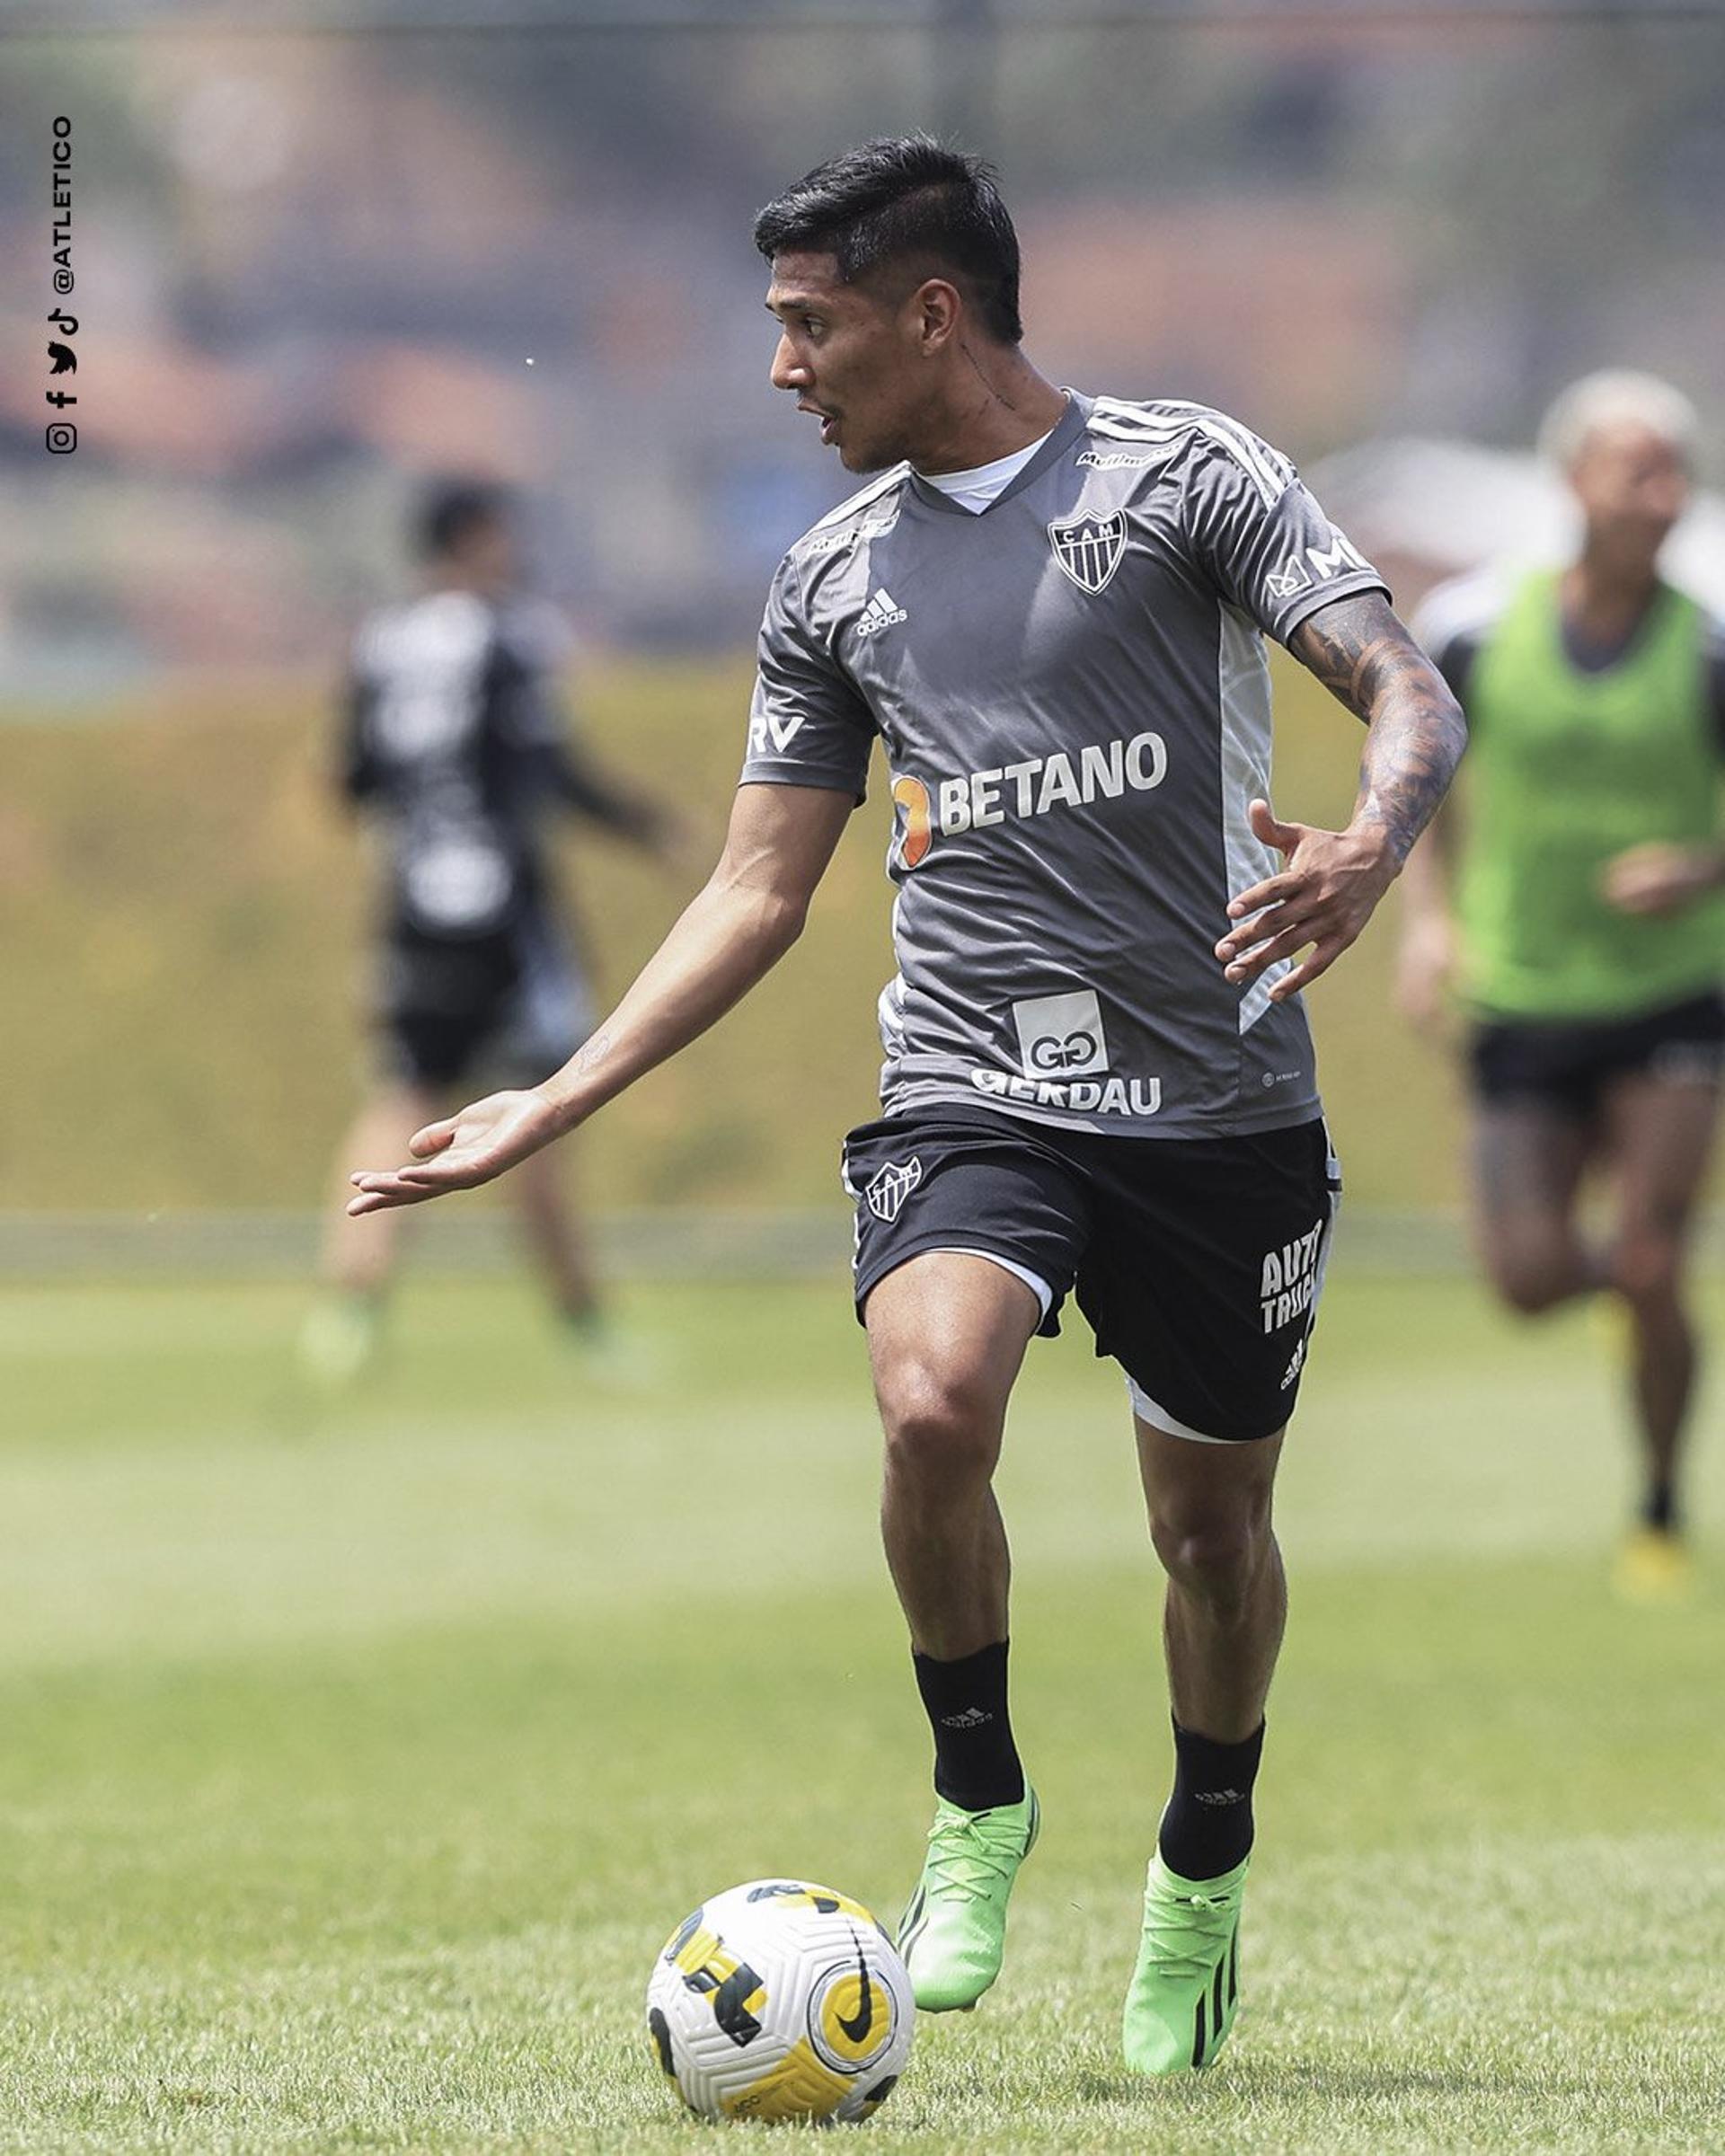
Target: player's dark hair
[(904, 202), (453, 507)]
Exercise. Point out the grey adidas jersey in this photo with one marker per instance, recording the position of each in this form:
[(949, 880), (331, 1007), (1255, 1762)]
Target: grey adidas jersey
[(1073, 697)]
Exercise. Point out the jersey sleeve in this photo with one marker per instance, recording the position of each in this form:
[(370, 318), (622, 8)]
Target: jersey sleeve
[(808, 726), (358, 773), (535, 652), (540, 733), (1259, 536)]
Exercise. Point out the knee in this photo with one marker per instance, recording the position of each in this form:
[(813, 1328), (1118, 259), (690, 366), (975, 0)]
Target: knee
[(1214, 1554), (1534, 1278), (1646, 1269), (940, 1425), (1530, 1292)]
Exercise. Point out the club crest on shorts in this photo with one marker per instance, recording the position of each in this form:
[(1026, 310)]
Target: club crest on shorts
[(894, 1184), (1089, 547)]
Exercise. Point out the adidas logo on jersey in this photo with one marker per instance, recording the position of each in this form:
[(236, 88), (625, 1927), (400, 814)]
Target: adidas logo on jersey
[(883, 612)]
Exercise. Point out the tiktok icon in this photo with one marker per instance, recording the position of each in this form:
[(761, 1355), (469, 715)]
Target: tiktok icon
[(62, 436), (62, 358)]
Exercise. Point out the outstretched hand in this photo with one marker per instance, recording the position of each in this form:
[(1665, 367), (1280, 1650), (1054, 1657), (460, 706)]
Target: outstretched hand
[(463, 1150), (1324, 897)]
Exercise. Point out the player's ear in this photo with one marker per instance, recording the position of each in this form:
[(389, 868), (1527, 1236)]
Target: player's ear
[(936, 307)]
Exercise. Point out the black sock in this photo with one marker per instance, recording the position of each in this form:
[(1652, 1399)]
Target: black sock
[(1206, 1829), (975, 1761), (1660, 1511)]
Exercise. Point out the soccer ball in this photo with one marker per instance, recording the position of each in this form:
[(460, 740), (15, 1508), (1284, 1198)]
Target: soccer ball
[(781, 2000)]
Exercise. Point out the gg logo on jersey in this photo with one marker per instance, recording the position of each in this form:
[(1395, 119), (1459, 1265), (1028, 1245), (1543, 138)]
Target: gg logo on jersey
[(1049, 1053), (853, 2015)]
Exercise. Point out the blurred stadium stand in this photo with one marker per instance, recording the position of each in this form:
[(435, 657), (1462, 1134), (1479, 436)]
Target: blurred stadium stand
[(317, 243), (313, 264)]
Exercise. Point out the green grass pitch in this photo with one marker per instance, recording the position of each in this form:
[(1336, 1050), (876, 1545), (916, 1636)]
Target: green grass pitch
[(352, 1774)]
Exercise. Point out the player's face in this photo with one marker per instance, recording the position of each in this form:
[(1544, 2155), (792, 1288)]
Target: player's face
[(483, 557), (855, 358), (1632, 486), (488, 555)]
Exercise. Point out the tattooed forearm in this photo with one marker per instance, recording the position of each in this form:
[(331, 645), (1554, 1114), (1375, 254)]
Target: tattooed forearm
[(1362, 654), (1358, 647)]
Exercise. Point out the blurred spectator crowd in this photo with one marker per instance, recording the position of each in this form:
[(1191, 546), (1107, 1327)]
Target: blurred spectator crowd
[(313, 267)]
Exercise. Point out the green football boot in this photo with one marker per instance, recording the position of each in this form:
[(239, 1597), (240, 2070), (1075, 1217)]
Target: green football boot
[(953, 1932), (1180, 2005)]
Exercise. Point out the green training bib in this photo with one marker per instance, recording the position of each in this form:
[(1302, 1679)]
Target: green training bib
[(1566, 769)]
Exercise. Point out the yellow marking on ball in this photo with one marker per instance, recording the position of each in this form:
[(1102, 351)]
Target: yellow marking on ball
[(798, 2087)]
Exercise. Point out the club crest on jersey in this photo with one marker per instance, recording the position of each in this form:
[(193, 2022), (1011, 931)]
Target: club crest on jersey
[(889, 1189), (1089, 547)]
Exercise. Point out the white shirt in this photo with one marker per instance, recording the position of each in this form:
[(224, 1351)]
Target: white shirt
[(976, 489)]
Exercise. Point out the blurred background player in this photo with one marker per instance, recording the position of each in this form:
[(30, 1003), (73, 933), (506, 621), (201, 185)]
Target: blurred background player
[(1577, 896), (457, 748)]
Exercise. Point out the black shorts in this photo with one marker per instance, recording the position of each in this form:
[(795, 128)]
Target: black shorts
[(1567, 1064), (1198, 1262), (504, 1008)]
